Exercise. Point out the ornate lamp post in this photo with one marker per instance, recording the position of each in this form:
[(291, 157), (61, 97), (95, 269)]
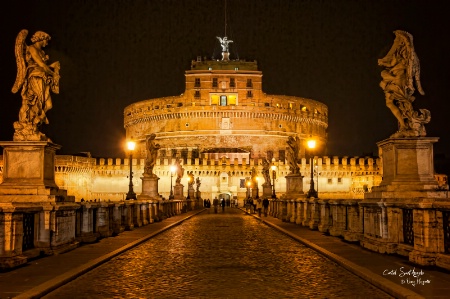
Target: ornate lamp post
[(312, 192), (257, 187), (173, 168), (189, 182), (131, 195), (274, 176)]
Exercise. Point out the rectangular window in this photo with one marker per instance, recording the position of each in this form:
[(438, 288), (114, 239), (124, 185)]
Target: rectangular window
[(242, 183), (223, 100), (249, 94), (197, 94), (197, 82), (249, 83), (232, 100), (232, 83), (215, 100), (214, 83), (266, 104), (339, 180), (179, 104), (330, 181)]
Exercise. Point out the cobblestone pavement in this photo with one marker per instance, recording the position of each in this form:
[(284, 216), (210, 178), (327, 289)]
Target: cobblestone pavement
[(225, 255)]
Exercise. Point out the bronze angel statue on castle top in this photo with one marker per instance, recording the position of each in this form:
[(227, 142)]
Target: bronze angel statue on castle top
[(35, 79), (400, 77)]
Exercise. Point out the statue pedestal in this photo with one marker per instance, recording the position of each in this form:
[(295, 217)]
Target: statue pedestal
[(407, 164), (294, 185), (178, 192), (30, 200), (191, 193), (28, 169), (267, 190), (149, 187), (225, 56), (400, 215)]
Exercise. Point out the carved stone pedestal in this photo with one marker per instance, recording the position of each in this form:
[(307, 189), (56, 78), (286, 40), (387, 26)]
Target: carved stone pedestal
[(400, 215), (267, 190), (35, 215), (178, 192), (149, 187), (294, 185)]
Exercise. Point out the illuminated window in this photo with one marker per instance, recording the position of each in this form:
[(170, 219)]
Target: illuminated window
[(232, 100), (291, 105), (214, 100), (197, 82), (232, 82), (303, 108), (214, 83), (223, 100)]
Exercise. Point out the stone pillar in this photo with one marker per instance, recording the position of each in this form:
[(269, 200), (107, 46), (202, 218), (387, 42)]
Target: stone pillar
[(267, 190), (315, 213), (178, 192), (324, 208), (149, 187), (408, 184)]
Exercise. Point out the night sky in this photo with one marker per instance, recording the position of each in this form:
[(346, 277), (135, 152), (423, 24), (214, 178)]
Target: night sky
[(114, 53)]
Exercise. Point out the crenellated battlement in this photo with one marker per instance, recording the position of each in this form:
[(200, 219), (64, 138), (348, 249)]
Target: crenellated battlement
[(351, 165)]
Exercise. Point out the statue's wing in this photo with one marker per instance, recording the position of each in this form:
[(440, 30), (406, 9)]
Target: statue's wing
[(20, 60)]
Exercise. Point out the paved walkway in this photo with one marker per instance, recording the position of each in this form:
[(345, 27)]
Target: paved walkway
[(391, 273)]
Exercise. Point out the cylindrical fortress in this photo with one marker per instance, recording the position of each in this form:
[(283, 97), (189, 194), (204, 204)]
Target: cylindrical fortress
[(224, 109)]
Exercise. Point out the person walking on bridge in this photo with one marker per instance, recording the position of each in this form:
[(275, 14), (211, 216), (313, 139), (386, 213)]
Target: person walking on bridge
[(216, 204)]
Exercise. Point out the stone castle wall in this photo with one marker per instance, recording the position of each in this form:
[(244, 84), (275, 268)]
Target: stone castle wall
[(90, 178)]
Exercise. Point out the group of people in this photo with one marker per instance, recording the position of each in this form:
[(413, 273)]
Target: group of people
[(252, 205), (257, 205), (216, 202)]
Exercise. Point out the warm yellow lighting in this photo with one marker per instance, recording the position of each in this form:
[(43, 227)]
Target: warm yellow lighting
[(131, 145), (173, 168), (274, 167), (248, 183), (311, 143)]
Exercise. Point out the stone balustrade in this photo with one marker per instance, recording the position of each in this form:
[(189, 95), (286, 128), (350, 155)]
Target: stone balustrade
[(427, 243)]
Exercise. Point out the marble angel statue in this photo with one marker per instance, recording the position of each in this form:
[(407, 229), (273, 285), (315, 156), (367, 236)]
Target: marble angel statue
[(292, 156), (35, 80), (400, 78)]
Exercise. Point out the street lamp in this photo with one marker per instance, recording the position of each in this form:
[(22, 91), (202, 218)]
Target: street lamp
[(249, 183), (257, 187), (189, 181), (312, 192), (274, 176), (131, 195), (173, 168)]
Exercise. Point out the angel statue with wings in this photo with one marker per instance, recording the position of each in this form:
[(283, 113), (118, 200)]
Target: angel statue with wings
[(400, 77), (224, 43), (35, 78)]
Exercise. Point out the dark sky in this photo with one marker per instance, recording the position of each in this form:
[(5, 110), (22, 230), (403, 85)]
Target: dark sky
[(114, 53)]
